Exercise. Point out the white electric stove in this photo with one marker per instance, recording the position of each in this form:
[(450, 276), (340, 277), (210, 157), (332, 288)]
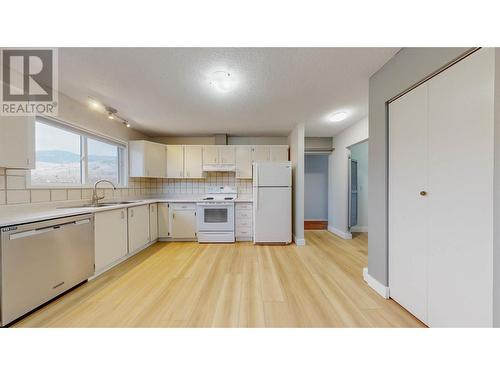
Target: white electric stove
[(216, 215)]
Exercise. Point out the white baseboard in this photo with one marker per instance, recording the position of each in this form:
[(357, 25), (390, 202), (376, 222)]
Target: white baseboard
[(344, 235), (375, 284), (357, 229), (299, 241)]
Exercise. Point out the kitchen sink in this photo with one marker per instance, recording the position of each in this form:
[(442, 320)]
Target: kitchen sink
[(104, 204)]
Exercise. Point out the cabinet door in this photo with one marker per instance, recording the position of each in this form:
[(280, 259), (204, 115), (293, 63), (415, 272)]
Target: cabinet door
[(110, 237), (183, 224), (243, 162), (155, 160), (260, 153), (138, 227), (226, 155), (408, 210), (17, 142), (193, 161), (278, 153), (175, 161), (153, 221), (210, 155), (163, 220)]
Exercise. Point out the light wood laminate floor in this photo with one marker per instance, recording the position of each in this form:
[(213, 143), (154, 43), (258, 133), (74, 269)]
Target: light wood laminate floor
[(185, 284)]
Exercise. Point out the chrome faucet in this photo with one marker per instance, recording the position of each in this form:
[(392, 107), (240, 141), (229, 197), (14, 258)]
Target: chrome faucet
[(95, 196)]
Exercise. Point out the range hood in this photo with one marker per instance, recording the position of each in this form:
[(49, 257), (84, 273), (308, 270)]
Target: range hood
[(219, 168)]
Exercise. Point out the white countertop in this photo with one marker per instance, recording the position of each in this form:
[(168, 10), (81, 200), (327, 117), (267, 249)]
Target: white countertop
[(21, 214)]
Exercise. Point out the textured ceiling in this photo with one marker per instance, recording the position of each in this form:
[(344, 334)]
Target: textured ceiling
[(165, 91)]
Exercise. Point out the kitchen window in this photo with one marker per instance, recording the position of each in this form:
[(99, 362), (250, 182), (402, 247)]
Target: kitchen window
[(70, 157)]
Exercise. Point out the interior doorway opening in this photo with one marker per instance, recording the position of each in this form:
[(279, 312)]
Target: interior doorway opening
[(358, 187), (316, 191)]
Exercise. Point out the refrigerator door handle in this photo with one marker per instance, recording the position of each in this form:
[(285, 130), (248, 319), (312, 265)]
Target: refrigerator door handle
[(257, 198)]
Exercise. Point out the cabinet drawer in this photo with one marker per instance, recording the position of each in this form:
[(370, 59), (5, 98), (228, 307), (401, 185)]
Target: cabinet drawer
[(182, 206), (247, 214), (244, 232), (243, 223), (243, 206)]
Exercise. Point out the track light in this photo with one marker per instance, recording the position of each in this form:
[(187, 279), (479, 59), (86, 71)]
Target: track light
[(112, 112)]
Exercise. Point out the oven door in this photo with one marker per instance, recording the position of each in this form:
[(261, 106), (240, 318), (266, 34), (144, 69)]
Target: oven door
[(215, 217)]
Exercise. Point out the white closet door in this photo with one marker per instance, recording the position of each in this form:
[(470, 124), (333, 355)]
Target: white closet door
[(407, 208), (461, 101)]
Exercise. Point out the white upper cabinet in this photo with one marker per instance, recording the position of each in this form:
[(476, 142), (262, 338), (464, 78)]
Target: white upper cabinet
[(226, 155), (17, 142), (175, 161), (147, 159), (218, 155), (244, 162), (210, 155), (260, 153), (193, 161), (278, 153)]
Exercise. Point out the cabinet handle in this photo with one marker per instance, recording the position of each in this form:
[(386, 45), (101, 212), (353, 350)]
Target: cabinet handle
[(180, 173), (123, 215), (131, 213), (423, 193), (27, 161)]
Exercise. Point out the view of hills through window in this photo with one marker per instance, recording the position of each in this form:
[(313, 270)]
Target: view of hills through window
[(60, 159)]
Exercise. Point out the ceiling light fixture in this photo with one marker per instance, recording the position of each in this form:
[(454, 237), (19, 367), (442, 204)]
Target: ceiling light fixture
[(94, 103), (338, 116), (112, 112), (222, 81)]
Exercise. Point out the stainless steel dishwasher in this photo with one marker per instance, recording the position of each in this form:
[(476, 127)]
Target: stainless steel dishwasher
[(41, 260)]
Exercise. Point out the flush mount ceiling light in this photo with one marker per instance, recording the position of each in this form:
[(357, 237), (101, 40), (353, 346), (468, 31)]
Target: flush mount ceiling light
[(338, 116), (222, 81)]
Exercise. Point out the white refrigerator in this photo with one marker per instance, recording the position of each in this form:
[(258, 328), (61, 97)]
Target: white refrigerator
[(272, 202)]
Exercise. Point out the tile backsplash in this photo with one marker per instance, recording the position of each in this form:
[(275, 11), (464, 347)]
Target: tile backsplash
[(13, 188)]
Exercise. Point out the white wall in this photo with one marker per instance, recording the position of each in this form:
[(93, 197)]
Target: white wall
[(338, 182), (296, 143), (359, 152), (316, 187)]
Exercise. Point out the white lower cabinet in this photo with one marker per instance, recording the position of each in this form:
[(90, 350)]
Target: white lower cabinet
[(183, 220), (163, 220), (138, 227), (110, 235), (244, 222), (153, 222)]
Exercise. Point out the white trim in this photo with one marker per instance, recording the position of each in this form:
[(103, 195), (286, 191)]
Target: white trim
[(299, 241), (357, 229), (344, 235), (375, 284)]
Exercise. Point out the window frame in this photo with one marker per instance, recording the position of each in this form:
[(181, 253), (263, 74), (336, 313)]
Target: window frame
[(85, 134)]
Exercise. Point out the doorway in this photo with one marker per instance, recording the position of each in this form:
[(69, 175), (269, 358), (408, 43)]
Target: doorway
[(358, 187), (316, 191)]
